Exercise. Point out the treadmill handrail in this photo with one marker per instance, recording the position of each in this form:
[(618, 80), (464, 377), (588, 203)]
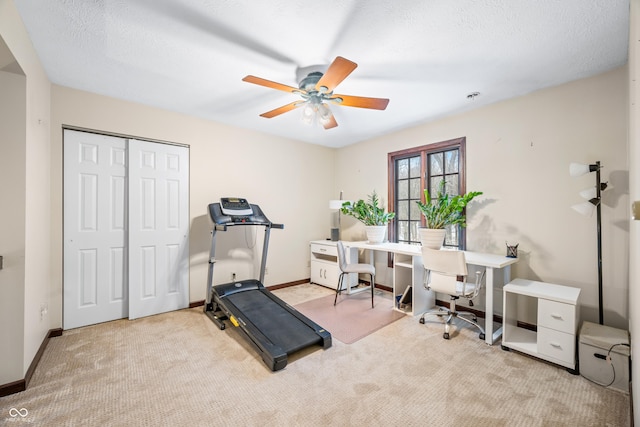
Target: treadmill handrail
[(220, 223), (223, 227)]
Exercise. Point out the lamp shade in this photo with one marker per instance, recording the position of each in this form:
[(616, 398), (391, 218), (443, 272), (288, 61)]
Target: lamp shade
[(308, 114), (577, 169), (585, 208), (335, 204), (324, 114), (589, 193)]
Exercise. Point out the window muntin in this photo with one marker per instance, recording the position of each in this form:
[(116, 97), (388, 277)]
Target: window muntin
[(410, 171)]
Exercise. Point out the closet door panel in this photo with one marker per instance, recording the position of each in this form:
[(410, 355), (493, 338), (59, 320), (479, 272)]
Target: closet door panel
[(158, 228), (94, 283)]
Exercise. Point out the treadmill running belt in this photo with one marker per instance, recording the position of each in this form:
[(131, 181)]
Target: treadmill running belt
[(283, 328)]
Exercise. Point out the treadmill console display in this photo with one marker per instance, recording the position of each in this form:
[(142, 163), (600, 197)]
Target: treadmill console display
[(235, 207), (238, 211)]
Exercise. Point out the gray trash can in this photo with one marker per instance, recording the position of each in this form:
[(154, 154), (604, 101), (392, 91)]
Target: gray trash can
[(604, 355)]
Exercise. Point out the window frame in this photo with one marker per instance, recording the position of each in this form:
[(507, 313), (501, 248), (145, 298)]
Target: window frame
[(423, 151)]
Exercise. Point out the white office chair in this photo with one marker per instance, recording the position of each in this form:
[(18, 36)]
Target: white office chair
[(346, 268), (446, 272)]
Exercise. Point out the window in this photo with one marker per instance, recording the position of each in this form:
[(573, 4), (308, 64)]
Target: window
[(413, 170)]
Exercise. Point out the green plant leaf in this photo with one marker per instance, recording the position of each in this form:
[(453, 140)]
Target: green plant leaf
[(369, 213), (444, 209)]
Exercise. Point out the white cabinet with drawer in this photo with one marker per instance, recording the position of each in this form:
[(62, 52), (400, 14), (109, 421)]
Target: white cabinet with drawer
[(557, 317), (324, 264)]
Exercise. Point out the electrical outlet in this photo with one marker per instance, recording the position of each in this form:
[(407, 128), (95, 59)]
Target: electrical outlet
[(266, 271), (44, 309)]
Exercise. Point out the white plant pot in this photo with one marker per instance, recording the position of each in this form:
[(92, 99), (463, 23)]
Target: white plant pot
[(432, 238), (375, 233)]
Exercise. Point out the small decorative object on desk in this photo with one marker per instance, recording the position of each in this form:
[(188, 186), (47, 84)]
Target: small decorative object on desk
[(512, 250)]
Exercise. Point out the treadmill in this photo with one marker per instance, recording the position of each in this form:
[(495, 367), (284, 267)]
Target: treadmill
[(270, 325)]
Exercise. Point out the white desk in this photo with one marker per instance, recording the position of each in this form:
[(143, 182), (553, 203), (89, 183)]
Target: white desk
[(491, 262)]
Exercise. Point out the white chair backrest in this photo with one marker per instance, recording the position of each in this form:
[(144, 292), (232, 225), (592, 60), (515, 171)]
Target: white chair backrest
[(444, 267), (342, 258)]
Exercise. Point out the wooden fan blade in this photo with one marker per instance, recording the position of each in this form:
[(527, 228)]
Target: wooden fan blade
[(339, 69), (360, 101), (270, 84), (281, 110), (331, 123)]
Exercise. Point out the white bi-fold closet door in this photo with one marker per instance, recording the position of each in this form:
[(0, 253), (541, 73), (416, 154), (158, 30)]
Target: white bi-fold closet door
[(126, 227)]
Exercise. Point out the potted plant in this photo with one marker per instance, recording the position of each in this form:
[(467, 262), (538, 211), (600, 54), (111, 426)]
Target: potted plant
[(373, 216), (441, 211)]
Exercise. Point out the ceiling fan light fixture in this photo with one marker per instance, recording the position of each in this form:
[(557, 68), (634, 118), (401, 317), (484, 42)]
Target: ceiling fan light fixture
[(308, 114), (324, 114), (316, 85), (323, 110)]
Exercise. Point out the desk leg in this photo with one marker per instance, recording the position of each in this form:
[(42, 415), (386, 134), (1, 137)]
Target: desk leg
[(492, 336), (488, 302)]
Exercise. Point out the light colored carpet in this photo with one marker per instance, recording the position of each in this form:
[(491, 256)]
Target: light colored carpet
[(352, 318), (179, 369)]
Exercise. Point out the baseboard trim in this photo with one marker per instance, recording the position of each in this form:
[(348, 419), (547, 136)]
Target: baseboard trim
[(21, 385), (631, 399), (200, 303), (12, 388), (288, 284)]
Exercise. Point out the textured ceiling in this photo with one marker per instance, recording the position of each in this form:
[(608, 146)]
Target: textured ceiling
[(426, 56)]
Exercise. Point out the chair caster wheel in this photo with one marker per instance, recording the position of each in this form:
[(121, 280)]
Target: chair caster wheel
[(475, 319), (445, 335), (482, 337), (422, 320)]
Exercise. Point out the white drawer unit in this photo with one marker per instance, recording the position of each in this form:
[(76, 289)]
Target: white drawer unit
[(557, 347), (324, 264), (557, 317)]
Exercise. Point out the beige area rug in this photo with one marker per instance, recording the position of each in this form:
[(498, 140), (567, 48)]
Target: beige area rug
[(352, 318)]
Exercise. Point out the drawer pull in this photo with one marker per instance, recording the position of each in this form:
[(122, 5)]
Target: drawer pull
[(323, 250), (556, 345), (556, 316)]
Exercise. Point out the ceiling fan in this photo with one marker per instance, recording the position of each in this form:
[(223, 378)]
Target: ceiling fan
[(316, 90)]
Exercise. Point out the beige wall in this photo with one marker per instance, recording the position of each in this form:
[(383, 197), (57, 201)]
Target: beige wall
[(634, 191), (291, 182), (518, 154), (29, 149), (12, 217)]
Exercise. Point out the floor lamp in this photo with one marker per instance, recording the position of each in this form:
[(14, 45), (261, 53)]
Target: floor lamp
[(594, 201)]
